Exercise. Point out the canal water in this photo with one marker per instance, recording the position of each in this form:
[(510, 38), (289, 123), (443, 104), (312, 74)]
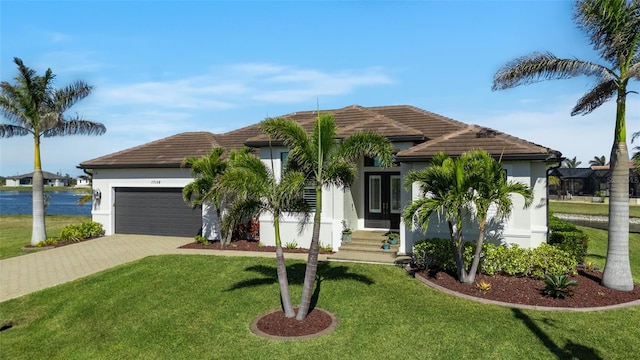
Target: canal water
[(60, 203)]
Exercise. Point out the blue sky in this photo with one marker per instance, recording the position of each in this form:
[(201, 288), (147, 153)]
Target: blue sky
[(165, 67)]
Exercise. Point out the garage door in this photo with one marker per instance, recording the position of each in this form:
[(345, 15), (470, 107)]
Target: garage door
[(155, 211)]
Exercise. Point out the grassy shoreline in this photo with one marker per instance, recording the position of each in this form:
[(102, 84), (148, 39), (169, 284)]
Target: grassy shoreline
[(46, 188)]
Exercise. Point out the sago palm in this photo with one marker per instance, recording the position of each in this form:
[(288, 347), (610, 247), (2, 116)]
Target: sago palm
[(326, 161), (257, 191), (34, 107), (614, 30)]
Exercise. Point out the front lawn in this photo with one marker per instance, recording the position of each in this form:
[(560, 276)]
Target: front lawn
[(16, 231), (196, 307), (587, 208), (597, 251)]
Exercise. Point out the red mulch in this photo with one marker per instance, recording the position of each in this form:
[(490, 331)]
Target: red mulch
[(528, 291), (276, 324), (244, 245)]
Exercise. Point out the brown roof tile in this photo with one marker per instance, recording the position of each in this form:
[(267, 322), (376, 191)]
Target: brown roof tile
[(431, 132), (478, 137), (167, 152)]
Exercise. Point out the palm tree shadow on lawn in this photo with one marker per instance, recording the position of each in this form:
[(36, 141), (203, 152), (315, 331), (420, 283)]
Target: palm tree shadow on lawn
[(571, 350), (296, 273)]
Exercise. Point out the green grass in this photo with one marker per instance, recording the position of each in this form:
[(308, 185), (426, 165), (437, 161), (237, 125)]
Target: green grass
[(597, 251), (28, 188), (195, 307), (586, 208), (16, 231)]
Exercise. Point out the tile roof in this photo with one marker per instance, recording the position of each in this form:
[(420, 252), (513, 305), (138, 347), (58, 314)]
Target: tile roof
[(478, 137), (164, 153), (45, 175), (430, 132)]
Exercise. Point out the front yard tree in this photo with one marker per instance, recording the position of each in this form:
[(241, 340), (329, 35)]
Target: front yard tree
[(460, 189), (34, 107), (614, 30), (325, 161), (256, 191), (202, 191)]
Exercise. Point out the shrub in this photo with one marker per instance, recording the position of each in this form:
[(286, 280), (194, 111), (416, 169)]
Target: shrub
[(574, 242), (202, 240), (436, 254), (497, 259), (555, 224), (550, 260), (48, 242), (86, 230), (291, 245), (558, 286)]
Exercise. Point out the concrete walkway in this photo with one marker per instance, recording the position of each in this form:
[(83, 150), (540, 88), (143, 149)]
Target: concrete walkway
[(25, 274)]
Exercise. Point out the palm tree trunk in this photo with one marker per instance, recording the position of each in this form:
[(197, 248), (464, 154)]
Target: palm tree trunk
[(281, 267), (38, 232), (617, 271), (312, 260), (471, 276)]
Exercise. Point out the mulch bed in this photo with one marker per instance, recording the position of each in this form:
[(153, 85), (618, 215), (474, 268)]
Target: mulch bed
[(245, 245), (527, 291), (276, 325)]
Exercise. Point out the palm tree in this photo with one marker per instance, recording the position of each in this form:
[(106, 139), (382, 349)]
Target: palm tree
[(636, 154), (598, 161), (33, 106), (258, 191), (614, 31), (325, 161), (461, 188), (571, 163), (203, 192)]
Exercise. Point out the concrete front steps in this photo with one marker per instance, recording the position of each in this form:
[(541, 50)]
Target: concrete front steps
[(366, 246)]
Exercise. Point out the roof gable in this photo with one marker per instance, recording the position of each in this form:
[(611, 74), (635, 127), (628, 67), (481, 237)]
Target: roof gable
[(477, 137)]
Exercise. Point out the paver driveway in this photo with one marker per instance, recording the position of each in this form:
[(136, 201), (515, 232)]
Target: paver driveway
[(25, 274)]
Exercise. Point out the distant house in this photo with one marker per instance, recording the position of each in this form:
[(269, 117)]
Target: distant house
[(140, 189), (594, 180), (50, 179), (83, 181)]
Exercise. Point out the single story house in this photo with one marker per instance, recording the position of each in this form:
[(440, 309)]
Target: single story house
[(140, 188), (50, 179), (83, 181), (592, 181)]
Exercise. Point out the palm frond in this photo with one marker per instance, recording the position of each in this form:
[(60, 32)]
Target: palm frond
[(613, 28), (538, 67), (339, 173), (597, 96), (65, 98), (7, 130), (367, 144), (75, 126)]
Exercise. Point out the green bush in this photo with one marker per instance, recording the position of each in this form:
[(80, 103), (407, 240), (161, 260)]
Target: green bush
[(436, 254), (555, 224), (550, 260), (86, 230), (573, 242), (202, 240), (497, 259)]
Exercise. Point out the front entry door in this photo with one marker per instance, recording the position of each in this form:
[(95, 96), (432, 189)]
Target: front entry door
[(382, 200)]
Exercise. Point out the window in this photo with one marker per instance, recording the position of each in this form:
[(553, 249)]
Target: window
[(370, 161), (283, 160)]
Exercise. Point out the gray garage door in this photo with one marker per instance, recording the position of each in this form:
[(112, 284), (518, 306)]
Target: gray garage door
[(155, 211)]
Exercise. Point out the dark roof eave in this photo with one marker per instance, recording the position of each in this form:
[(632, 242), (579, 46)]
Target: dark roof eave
[(131, 166)]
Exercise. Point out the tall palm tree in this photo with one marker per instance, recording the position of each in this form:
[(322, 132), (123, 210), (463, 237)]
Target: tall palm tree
[(614, 30), (34, 107), (203, 192), (571, 163), (258, 191), (463, 188), (325, 161)]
